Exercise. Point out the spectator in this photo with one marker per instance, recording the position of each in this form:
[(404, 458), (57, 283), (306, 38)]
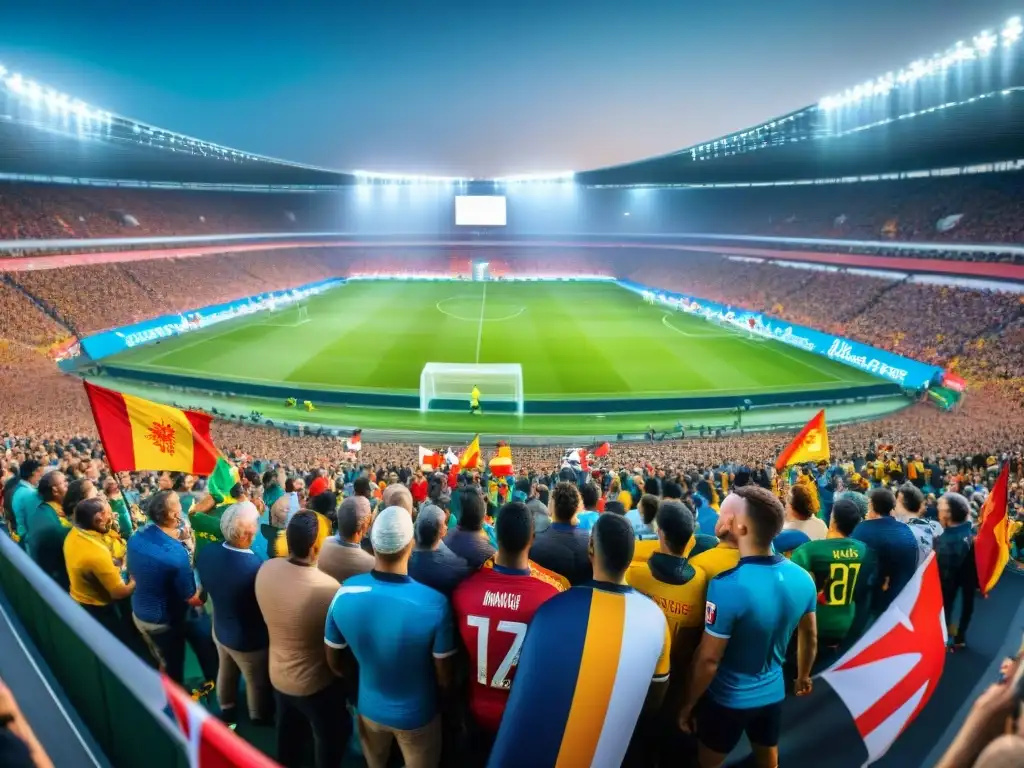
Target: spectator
[(342, 555), (228, 575), (541, 516), (401, 635), (166, 605), (591, 495), (294, 597), (483, 622), (468, 540), (19, 747), (647, 534), (957, 572), (563, 548), (432, 563), (47, 527), (553, 663), (25, 500), (910, 509), (800, 514), (751, 614), (837, 565), (95, 582), (679, 589), (893, 548), (397, 495), (723, 556)]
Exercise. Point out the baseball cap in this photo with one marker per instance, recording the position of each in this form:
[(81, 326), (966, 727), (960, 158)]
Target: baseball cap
[(392, 531)]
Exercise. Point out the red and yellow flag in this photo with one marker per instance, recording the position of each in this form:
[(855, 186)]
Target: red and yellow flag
[(992, 544), (810, 445), (139, 434), (501, 464), (471, 456)]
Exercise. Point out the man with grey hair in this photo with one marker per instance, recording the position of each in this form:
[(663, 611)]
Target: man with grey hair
[(397, 495), (228, 575), (342, 555), (957, 572), (432, 563)]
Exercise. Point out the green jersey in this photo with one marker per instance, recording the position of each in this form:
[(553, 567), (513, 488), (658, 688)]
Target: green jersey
[(836, 565)]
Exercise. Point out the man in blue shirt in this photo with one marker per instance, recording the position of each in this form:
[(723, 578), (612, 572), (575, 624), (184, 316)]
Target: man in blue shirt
[(228, 574), (954, 550), (401, 633), (750, 615), (25, 500), (165, 604), (591, 494), (893, 548)]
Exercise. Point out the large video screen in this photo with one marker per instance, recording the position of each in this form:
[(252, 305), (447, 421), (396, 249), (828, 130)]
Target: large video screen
[(480, 211)]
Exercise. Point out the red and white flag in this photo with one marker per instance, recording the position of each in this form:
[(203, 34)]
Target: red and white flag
[(211, 744), (429, 458), (355, 443), (887, 677)]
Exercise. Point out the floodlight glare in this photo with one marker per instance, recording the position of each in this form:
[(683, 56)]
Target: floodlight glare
[(985, 42), (1012, 31)]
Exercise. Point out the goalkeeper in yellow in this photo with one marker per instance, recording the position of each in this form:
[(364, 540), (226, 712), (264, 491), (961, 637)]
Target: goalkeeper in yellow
[(474, 400)]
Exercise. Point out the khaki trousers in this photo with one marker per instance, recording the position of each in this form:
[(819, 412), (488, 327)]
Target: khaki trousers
[(420, 747), (253, 666)]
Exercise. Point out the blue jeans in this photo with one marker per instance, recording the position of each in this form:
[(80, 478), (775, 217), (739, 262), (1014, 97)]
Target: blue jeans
[(167, 642)]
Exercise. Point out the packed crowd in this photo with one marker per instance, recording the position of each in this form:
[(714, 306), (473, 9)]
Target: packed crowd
[(52, 212), (421, 598), (985, 208), (938, 324)]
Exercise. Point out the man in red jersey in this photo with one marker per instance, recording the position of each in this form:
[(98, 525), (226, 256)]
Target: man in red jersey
[(493, 608)]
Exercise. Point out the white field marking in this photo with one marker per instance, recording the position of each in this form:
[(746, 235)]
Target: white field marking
[(471, 319), (479, 330), (667, 324), (637, 394)]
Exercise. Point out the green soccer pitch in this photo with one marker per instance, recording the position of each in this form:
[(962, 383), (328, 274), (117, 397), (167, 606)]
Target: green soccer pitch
[(574, 340)]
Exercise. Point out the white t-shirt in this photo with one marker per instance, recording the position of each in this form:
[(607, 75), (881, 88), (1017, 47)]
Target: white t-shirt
[(813, 526), (926, 532)]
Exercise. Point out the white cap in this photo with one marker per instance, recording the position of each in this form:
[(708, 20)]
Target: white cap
[(392, 531)]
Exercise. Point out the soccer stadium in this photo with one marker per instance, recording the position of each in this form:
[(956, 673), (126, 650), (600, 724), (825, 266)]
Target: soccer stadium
[(708, 458)]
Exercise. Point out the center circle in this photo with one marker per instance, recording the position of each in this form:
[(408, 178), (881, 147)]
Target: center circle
[(468, 308)]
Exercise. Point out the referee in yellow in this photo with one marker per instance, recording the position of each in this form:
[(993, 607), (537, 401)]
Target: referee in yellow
[(474, 400)]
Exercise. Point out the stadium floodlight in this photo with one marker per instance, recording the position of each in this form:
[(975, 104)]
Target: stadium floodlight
[(1012, 31), (985, 43), (15, 83)]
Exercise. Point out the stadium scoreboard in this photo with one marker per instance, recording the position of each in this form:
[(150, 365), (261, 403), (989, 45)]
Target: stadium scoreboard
[(480, 211)]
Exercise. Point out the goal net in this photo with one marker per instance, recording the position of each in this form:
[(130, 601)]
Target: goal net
[(447, 386)]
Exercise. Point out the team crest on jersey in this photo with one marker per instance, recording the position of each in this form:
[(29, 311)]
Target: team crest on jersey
[(710, 613)]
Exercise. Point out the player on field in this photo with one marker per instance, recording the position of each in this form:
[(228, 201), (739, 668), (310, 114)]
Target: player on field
[(750, 615), (679, 590), (493, 608), (474, 400), (838, 567)]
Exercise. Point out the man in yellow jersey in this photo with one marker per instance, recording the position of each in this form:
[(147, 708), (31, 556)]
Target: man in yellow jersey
[(679, 589), (474, 400), (726, 555)]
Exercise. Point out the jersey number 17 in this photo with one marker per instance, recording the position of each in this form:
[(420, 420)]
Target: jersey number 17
[(483, 637)]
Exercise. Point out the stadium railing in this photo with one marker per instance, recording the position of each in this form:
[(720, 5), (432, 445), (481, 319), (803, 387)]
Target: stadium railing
[(118, 698)]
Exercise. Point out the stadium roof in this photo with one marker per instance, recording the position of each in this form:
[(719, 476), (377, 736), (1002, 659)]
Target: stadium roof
[(958, 108)]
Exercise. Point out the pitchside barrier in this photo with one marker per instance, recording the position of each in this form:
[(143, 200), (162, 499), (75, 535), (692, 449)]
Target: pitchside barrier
[(567, 406), (114, 693)]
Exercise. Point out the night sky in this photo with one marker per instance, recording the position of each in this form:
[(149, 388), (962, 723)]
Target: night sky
[(470, 88)]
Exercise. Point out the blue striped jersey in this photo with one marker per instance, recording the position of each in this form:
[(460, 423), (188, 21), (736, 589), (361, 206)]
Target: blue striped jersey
[(588, 660)]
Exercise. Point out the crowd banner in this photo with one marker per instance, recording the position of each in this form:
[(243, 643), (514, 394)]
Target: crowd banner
[(907, 373), (106, 343)]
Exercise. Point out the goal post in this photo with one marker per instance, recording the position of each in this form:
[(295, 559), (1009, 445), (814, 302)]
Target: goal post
[(448, 385)]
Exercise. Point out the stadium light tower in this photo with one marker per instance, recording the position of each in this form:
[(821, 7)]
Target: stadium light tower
[(985, 43)]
